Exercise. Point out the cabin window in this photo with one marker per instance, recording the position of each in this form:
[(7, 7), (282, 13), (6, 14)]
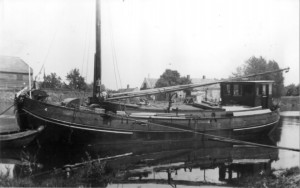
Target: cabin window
[(259, 90), (264, 89), (227, 89), (237, 90), (270, 89)]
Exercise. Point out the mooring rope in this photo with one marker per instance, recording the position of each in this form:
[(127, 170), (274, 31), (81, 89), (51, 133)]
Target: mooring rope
[(6, 109), (213, 137)]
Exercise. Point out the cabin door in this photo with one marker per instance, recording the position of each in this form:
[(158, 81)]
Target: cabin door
[(265, 96)]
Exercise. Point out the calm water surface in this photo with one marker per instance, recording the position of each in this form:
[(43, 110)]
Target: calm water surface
[(161, 164), (288, 132)]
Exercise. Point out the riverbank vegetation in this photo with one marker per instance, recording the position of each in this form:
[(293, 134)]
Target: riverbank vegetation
[(290, 103), (98, 175), (288, 178), (92, 173)]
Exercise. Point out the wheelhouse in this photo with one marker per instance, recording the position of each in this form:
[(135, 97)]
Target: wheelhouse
[(247, 93)]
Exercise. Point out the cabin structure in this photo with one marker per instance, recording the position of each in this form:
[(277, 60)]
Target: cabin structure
[(247, 93), (14, 73)]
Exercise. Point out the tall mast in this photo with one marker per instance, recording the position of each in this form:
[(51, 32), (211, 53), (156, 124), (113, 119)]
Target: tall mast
[(97, 58)]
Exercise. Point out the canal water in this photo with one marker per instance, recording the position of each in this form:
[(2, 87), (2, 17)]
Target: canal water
[(160, 164), (287, 135)]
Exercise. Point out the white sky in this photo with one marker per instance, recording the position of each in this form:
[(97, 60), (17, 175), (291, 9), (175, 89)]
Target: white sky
[(195, 37)]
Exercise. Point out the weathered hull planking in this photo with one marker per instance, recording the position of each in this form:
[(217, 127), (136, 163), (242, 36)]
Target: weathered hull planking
[(80, 125)]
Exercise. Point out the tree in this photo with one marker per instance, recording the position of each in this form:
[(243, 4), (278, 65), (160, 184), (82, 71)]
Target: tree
[(76, 81), (51, 81), (172, 78), (292, 90), (256, 65)]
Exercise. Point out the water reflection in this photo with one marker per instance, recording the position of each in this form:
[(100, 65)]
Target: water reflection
[(287, 134), (180, 162), (166, 162)]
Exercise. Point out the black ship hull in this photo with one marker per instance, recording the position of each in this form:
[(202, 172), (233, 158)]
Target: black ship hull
[(75, 125)]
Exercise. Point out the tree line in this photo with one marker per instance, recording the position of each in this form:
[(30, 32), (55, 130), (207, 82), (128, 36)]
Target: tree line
[(75, 81), (256, 65), (253, 65)]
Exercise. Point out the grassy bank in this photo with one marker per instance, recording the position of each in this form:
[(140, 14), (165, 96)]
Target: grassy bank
[(91, 174), (289, 178), (290, 103), (96, 175), (6, 100)]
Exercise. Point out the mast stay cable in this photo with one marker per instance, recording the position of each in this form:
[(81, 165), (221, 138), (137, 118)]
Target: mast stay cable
[(88, 49), (84, 56), (51, 43), (114, 53)]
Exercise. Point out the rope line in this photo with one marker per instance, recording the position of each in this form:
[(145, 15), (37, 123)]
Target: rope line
[(6, 109), (62, 16), (87, 59), (114, 54)]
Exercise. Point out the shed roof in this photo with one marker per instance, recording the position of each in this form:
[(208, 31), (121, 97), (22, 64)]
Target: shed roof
[(13, 65), (205, 81), (150, 82), (202, 81)]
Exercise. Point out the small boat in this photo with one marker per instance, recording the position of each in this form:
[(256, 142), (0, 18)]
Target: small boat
[(18, 138)]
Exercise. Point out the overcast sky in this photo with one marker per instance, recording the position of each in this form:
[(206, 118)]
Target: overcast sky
[(142, 38)]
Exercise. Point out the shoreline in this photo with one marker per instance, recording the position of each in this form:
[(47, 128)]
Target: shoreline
[(289, 177), (292, 114)]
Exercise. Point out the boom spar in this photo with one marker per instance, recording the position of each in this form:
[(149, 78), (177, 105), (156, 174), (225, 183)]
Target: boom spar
[(126, 95)]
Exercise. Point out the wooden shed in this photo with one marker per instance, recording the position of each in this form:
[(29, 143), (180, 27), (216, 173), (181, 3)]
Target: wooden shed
[(149, 83), (14, 73)]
